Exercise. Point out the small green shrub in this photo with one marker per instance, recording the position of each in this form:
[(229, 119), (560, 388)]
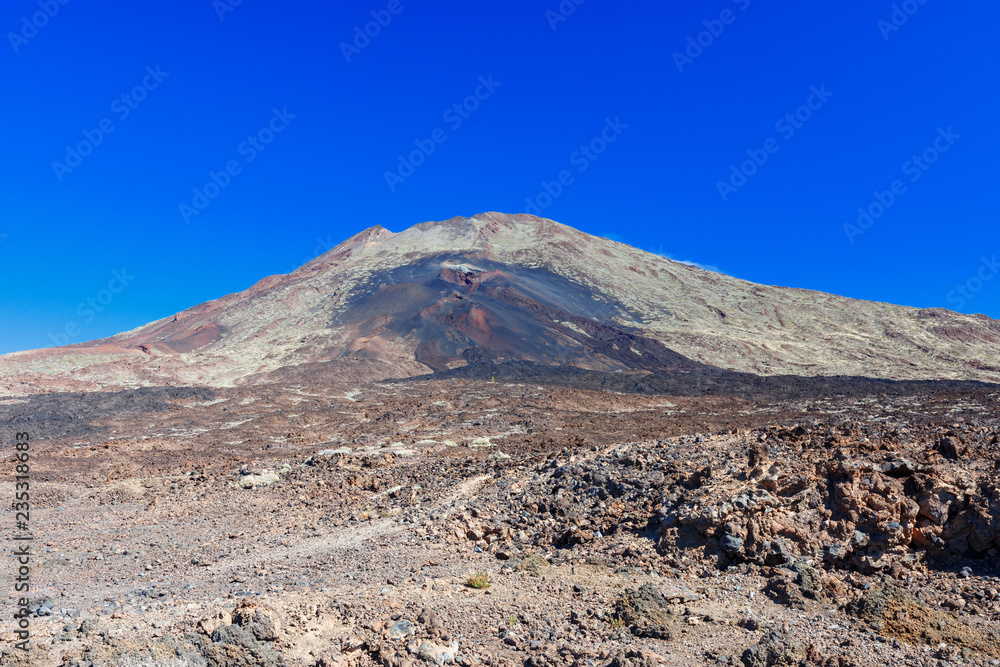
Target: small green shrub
[(478, 580)]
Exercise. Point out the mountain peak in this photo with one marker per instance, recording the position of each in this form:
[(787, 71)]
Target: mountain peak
[(347, 248), (495, 234)]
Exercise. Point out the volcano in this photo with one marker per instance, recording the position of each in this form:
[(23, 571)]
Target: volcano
[(498, 288)]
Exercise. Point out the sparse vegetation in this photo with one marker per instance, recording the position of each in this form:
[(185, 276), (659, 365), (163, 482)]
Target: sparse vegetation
[(479, 580)]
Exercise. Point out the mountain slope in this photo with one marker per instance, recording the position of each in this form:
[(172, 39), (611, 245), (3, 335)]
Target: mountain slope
[(496, 286)]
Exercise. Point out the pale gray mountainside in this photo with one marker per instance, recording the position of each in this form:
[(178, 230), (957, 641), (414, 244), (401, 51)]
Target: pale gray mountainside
[(499, 287)]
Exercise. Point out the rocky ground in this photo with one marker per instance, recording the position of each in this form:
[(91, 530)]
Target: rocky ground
[(499, 523)]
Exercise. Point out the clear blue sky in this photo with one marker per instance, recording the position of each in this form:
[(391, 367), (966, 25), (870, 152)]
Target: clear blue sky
[(206, 84)]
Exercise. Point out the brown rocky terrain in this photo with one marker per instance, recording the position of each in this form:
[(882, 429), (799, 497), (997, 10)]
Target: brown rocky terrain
[(498, 287), (499, 441), (465, 521)]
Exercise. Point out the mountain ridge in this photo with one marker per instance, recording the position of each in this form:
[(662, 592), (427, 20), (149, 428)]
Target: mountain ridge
[(438, 294)]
